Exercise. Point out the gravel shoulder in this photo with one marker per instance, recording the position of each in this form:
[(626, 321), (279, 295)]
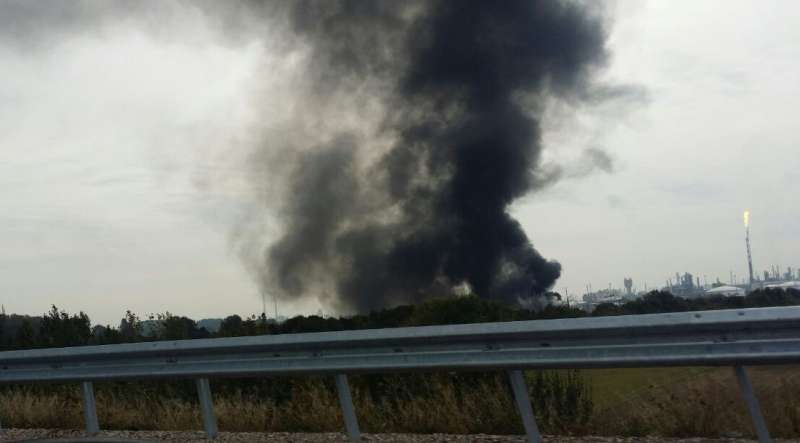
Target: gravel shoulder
[(11, 435)]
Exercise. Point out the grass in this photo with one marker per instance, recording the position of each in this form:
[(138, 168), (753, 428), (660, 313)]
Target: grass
[(611, 387), (313, 408), (678, 402), (695, 402)]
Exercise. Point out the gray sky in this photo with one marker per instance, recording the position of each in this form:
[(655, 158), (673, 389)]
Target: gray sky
[(112, 130)]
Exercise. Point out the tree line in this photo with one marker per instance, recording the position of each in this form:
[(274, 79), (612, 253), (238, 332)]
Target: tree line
[(58, 328)]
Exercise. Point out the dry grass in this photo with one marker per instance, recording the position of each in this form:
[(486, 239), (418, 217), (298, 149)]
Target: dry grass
[(313, 408), (705, 405), (20, 408)]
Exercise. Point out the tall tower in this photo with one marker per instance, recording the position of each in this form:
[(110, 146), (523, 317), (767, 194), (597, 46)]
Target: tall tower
[(747, 242), (628, 282)]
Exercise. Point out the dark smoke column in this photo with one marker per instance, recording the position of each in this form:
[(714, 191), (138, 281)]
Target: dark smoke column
[(464, 84)]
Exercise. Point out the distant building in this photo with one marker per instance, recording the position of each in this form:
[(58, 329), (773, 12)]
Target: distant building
[(726, 291), (628, 286), (785, 285), (685, 286), (592, 299)]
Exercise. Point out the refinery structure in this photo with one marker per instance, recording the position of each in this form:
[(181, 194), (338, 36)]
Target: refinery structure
[(689, 286)]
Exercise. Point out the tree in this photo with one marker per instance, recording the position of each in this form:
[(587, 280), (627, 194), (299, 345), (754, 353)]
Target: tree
[(171, 327), (467, 309), (606, 309), (59, 329), (231, 326), (130, 327), (25, 337), (655, 302)]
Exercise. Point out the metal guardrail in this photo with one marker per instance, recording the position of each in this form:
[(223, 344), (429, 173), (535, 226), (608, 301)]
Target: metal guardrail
[(708, 338)]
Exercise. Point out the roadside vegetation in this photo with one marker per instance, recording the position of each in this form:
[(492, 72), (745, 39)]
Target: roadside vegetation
[(676, 402)]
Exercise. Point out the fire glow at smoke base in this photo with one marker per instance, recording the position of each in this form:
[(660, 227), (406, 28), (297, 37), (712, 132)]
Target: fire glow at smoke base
[(421, 208)]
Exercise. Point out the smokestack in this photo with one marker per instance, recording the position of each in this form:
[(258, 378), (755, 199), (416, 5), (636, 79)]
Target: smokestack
[(747, 242), (412, 200)]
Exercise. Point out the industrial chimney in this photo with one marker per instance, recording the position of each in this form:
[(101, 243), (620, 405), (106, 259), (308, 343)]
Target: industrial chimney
[(747, 242)]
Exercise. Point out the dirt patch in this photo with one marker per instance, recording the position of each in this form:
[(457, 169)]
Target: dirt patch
[(64, 436)]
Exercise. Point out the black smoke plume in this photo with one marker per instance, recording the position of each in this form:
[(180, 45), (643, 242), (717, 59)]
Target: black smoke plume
[(418, 205), (399, 136)]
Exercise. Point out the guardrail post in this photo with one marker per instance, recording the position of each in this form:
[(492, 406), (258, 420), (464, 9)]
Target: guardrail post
[(89, 408), (524, 406), (348, 411), (207, 407), (752, 404)]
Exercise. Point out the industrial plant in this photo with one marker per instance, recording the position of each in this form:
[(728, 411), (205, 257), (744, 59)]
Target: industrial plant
[(688, 285)]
